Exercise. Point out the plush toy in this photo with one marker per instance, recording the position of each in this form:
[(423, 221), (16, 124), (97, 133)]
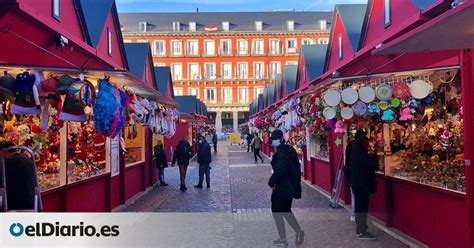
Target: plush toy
[(24, 134), (26, 94), (405, 114), (340, 127), (388, 115), (445, 139)]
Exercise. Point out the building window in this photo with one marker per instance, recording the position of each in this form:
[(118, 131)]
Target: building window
[(192, 26), (142, 26), (275, 47), (193, 71), (159, 48), (291, 25), (109, 41), (386, 13), (178, 91), (339, 46), (243, 95), (176, 26), (258, 91), (258, 70), (227, 95), (243, 71), (193, 92), (177, 71), (291, 46), (176, 48), (323, 24), (323, 41), (210, 71), (225, 26), (210, 94), (192, 48), (257, 48), (242, 47), (227, 70), (274, 69), (225, 47), (258, 26), (209, 48), (307, 41), (57, 10)]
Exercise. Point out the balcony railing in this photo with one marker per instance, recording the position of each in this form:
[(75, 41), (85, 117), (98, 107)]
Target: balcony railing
[(229, 53), (237, 102), (221, 78)]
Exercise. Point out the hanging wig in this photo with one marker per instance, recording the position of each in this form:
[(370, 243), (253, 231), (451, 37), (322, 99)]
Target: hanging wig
[(105, 108)]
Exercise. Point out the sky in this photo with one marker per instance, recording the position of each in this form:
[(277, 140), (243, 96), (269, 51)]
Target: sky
[(227, 5)]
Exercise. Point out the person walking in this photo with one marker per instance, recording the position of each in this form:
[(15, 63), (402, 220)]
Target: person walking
[(362, 180), (214, 141), (257, 144), (286, 185), (204, 160), (249, 140), (161, 162), (182, 154)]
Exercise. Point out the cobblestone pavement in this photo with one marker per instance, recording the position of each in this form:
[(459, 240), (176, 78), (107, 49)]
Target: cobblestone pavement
[(239, 186)]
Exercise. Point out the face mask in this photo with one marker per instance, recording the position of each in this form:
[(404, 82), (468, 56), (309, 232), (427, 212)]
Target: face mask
[(200, 141), (276, 143)]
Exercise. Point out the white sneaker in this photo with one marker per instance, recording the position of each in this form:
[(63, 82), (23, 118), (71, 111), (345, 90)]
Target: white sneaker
[(353, 218)]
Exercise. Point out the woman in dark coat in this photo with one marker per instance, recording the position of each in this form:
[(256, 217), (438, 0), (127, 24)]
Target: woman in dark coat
[(362, 179), (161, 162)]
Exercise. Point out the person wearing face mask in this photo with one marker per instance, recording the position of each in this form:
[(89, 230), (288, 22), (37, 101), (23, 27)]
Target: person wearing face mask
[(286, 185), (204, 160)]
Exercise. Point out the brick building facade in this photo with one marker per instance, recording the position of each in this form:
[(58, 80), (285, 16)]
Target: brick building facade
[(226, 59)]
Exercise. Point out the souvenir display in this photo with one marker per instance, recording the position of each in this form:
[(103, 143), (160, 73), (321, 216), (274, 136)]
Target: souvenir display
[(332, 97), (395, 103), (79, 95), (383, 92), (359, 108), (420, 89), (26, 94), (367, 94), (347, 113), (401, 90), (349, 96), (107, 109), (329, 113)]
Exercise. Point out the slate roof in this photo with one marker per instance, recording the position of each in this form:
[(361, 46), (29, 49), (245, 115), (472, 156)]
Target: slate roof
[(352, 17), (290, 77), (137, 55), (94, 15), (279, 87), (163, 80), (265, 97), (260, 102), (314, 59), (238, 21), (271, 93), (187, 104)]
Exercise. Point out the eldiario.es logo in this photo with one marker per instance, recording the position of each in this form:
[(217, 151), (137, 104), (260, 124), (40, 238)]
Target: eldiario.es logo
[(45, 229)]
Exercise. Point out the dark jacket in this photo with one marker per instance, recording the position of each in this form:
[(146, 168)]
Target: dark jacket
[(249, 138), (362, 173), (214, 138), (182, 153), (21, 182), (286, 177), (204, 153), (160, 155), (347, 162)]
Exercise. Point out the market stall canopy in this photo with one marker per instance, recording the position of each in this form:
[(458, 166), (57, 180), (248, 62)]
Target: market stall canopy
[(190, 105), (279, 87), (451, 30), (352, 18), (290, 72), (164, 81), (271, 93), (137, 56), (260, 102)]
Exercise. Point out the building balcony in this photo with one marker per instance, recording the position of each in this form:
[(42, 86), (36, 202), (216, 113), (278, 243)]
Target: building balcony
[(219, 78), (227, 103)]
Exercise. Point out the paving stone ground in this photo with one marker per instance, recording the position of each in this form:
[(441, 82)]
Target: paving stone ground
[(239, 188)]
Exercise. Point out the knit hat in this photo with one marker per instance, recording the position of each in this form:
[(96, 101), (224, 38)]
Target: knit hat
[(48, 88), (26, 99), (7, 83), (64, 82)]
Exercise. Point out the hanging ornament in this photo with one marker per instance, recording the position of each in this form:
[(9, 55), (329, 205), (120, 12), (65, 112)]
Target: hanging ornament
[(338, 142), (340, 127)]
